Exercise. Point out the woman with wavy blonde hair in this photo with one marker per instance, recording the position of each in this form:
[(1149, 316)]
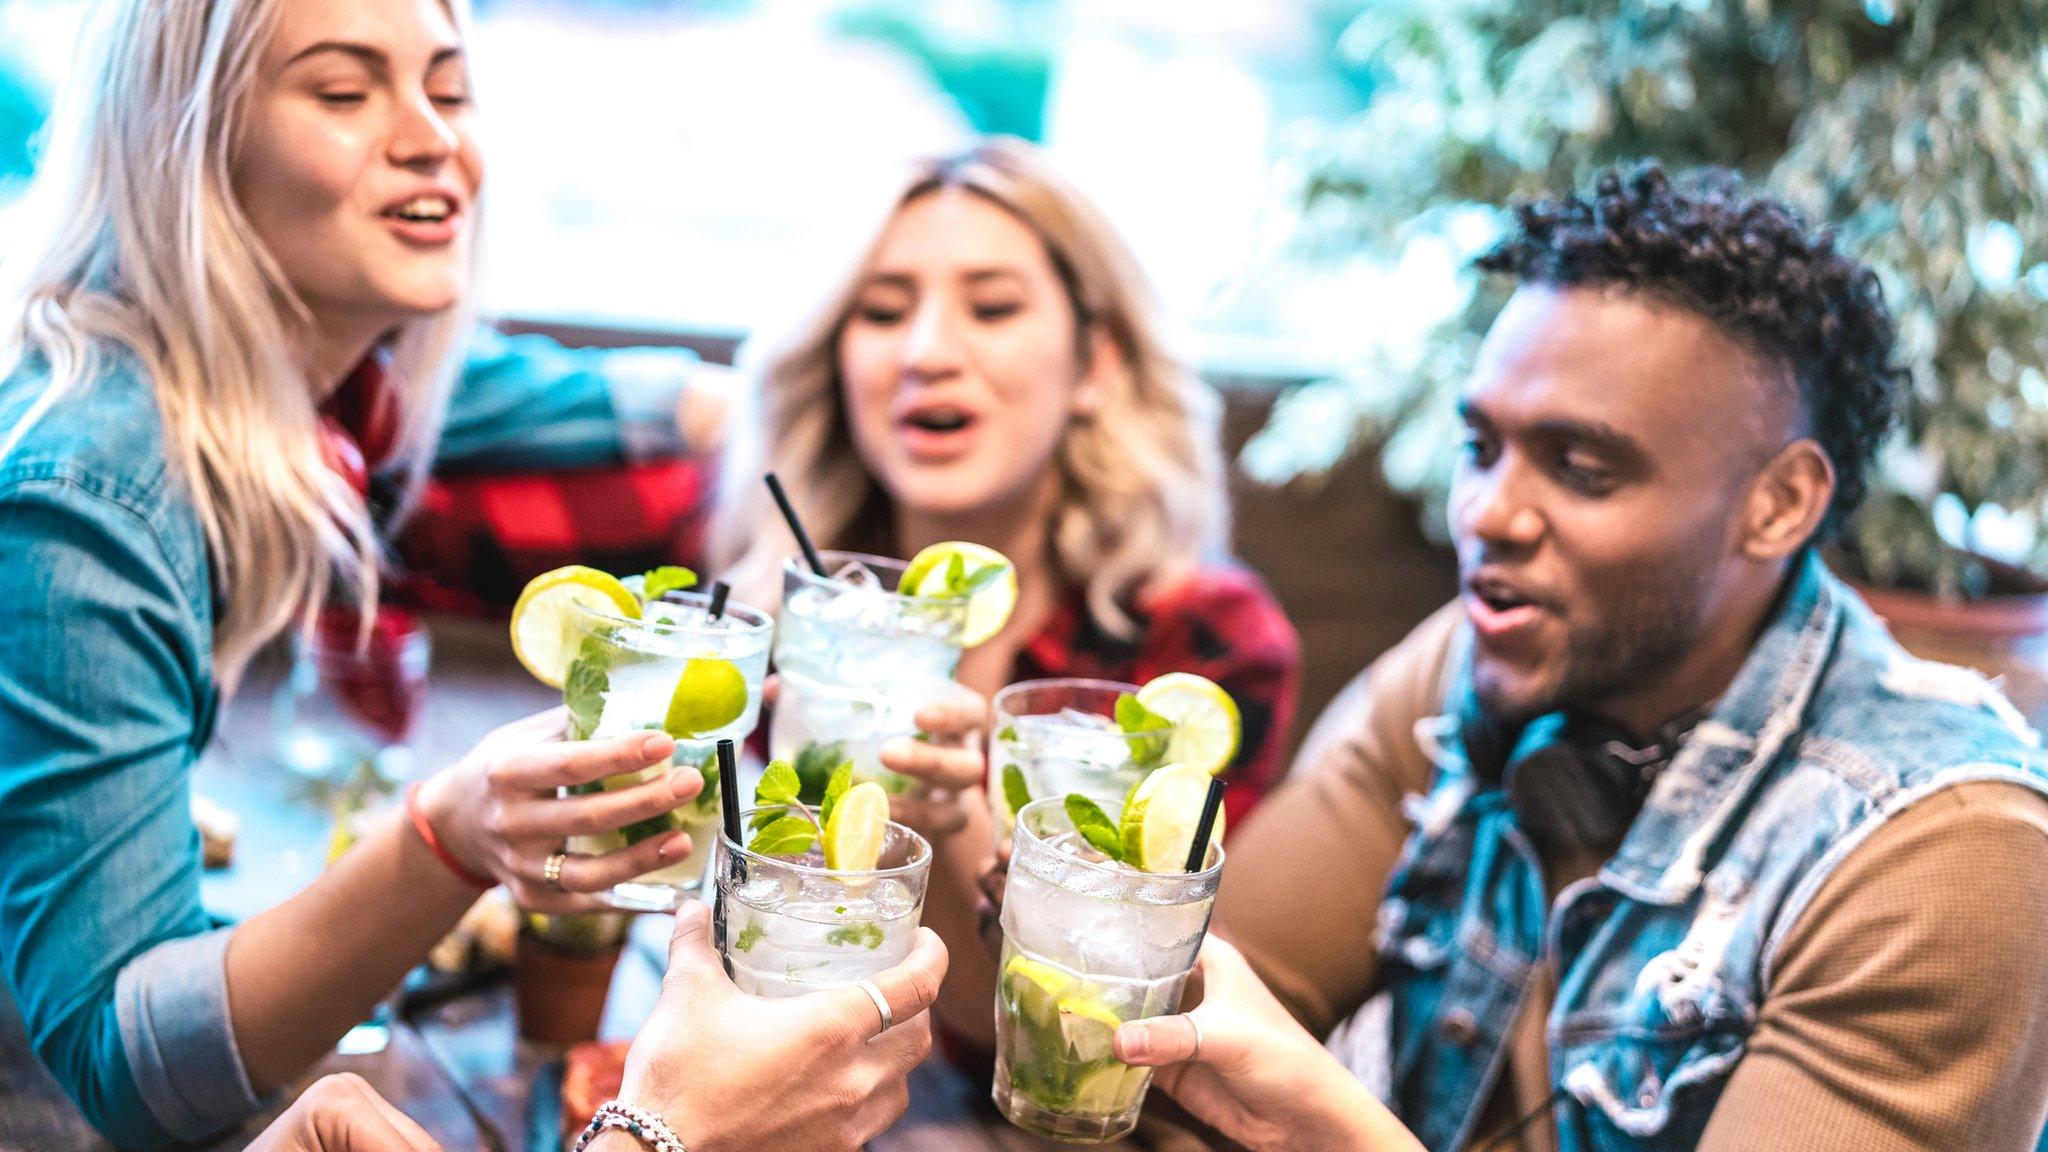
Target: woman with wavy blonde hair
[(258, 262), (993, 372)]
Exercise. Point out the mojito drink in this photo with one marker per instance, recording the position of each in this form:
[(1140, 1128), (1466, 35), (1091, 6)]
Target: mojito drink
[(1059, 736), (788, 922), (1089, 942), (857, 660), (675, 669)]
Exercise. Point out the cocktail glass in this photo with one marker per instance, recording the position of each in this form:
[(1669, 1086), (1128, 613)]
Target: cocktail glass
[(790, 925), (1061, 736), (857, 660), (622, 679), (1088, 944)]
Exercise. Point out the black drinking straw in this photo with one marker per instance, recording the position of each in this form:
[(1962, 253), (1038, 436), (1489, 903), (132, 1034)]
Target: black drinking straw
[(1198, 852), (803, 538), (719, 591), (729, 790)]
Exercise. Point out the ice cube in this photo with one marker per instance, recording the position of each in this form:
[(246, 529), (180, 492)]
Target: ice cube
[(1076, 718), (768, 891), (637, 695)]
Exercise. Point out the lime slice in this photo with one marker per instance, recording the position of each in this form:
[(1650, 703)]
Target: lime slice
[(709, 694), (1158, 825), (541, 637), (1108, 1090), (932, 573), (1035, 989), (853, 836), (1087, 1026), (1206, 726)]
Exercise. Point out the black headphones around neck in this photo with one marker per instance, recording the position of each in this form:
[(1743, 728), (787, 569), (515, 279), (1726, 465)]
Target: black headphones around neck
[(1573, 781)]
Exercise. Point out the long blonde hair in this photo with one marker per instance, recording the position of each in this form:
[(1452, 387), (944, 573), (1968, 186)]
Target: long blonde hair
[(1141, 482), (149, 254)]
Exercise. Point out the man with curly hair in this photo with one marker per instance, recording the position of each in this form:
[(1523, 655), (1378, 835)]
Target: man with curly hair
[(1655, 839)]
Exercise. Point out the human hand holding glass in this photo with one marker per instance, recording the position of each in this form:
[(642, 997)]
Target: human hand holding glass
[(1240, 1063), (812, 1072), (499, 813)]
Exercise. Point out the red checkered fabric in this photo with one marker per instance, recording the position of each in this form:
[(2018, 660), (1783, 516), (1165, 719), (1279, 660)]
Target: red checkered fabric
[(1222, 623), (476, 540)]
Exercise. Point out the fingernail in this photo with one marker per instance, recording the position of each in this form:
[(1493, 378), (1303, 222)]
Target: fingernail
[(1134, 1043), (675, 845), (654, 746)]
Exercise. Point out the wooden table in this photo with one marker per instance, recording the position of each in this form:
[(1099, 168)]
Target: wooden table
[(461, 1071)]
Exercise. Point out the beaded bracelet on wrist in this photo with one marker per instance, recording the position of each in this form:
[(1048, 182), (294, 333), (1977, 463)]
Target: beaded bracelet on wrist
[(644, 1126)]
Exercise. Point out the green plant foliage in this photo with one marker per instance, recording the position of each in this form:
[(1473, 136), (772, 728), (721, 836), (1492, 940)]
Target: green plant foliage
[(1919, 129)]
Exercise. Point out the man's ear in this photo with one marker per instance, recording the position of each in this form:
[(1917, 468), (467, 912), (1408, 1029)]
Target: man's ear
[(1787, 501)]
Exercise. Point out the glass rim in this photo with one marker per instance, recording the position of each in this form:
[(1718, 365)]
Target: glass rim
[(1007, 717), (798, 567), (753, 619), (1108, 867), (923, 860)]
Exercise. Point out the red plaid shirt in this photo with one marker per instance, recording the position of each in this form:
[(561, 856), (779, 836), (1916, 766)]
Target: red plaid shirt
[(476, 540), (1220, 622)]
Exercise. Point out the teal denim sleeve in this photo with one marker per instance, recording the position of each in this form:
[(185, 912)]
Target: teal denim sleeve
[(105, 694), (528, 402)]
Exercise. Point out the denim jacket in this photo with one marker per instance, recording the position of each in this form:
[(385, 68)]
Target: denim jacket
[(1663, 958), (107, 698)]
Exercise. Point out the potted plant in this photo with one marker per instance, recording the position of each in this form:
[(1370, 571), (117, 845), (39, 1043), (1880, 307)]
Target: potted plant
[(1917, 129), (563, 973)]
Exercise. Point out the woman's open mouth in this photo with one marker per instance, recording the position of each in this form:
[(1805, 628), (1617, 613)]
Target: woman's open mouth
[(426, 220), (937, 431)]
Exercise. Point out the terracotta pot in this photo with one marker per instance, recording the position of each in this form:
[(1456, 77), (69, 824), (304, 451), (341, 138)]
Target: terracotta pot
[(2004, 637), (561, 994)]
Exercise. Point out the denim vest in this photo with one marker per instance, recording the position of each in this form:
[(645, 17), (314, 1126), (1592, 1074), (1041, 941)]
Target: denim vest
[(1663, 958)]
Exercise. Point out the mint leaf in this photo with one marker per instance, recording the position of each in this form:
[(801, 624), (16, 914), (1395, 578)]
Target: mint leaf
[(956, 573), (1008, 735), (1016, 793), (584, 687), (814, 767), (749, 936), (982, 577), (842, 779), (667, 578), (1154, 731), (867, 935), (778, 785), (785, 836), (1134, 718), (707, 800), (1094, 826)]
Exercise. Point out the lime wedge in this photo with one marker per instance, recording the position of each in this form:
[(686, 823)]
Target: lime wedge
[(1087, 1026), (1158, 825), (991, 596), (709, 694), (1206, 726), (541, 636), (1108, 1090), (1035, 989), (853, 836)]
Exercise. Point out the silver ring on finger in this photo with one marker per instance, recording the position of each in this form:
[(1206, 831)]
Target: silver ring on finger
[(552, 870), (874, 992), (1197, 1026)]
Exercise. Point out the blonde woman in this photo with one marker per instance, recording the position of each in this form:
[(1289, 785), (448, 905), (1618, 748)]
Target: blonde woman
[(246, 305), (993, 373)]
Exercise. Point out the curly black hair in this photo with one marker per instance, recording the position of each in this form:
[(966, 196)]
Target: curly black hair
[(1751, 265)]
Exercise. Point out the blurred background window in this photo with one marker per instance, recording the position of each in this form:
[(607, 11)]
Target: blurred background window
[(709, 165)]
